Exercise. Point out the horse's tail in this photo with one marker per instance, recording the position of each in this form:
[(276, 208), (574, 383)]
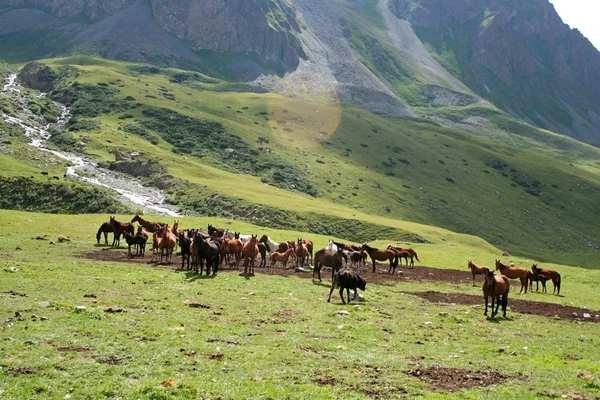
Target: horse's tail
[(558, 283), (99, 234), (417, 257)]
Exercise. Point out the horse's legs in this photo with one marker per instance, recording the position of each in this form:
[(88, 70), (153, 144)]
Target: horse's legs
[(504, 303), (348, 293), (330, 292), (342, 295), (497, 305), (486, 305), (473, 279), (373, 261)]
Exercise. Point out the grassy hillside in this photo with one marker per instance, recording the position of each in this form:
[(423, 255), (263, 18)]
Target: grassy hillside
[(336, 160), (264, 336)]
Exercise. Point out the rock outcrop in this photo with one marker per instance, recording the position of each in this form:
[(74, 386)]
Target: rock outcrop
[(35, 75)]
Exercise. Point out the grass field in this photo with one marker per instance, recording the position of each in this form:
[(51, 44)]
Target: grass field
[(263, 336)]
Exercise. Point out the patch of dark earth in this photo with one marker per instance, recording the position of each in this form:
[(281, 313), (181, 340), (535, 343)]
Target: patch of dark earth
[(413, 274), (455, 379), (550, 310)]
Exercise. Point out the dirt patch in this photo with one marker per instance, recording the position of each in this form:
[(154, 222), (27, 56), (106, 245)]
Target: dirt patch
[(215, 356), (74, 348), (21, 370), (550, 310), (454, 379), (310, 349), (376, 392), (112, 360), (326, 381), (112, 309), (198, 305)]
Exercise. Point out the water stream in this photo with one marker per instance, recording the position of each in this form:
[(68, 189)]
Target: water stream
[(82, 168)]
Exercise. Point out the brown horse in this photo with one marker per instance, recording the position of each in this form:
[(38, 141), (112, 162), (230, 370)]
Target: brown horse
[(381, 255), (119, 229), (250, 251), (328, 258), (309, 247), (212, 231), (497, 287), (232, 247), (548, 274), (477, 270), (105, 228), (401, 254), (301, 252), (411, 252), (166, 244), (514, 273), (282, 257), (150, 226)]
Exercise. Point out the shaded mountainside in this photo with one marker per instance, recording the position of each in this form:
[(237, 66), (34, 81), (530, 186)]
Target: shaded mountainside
[(519, 55)]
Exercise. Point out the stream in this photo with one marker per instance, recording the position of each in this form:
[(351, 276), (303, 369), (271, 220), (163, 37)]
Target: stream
[(83, 169)]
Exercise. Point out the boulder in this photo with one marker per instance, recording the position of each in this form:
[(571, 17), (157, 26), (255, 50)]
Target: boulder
[(38, 76)]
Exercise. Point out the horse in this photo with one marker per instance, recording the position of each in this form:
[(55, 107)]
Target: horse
[(401, 254), (243, 238), (347, 279), (119, 228), (282, 257), (105, 228), (477, 270), (138, 241), (352, 247), (411, 253), (232, 247), (185, 246), (301, 252), (327, 258), (218, 231), (356, 258), (497, 287), (262, 249), (381, 255), (167, 243), (514, 273), (250, 251), (548, 274), (331, 246), (537, 278), (271, 245), (157, 237), (211, 249), (309, 247), (150, 226)]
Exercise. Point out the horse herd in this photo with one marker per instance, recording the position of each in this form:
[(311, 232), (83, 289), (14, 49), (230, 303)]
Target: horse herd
[(497, 286), (217, 245)]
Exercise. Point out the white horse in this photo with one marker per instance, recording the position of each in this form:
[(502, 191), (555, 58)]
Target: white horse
[(271, 245), (331, 246), (227, 234)]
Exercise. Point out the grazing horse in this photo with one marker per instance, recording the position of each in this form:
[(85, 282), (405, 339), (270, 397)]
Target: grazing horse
[(219, 232), (119, 229), (250, 251), (497, 287), (514, 273), (185, 246), (104, 228), (301, 252), (411, 253), (347, 279), (477, 270), (282, 257), (138, 241), (150, 226), (381, 255), (549, 275), (327, 258), (232, 247)]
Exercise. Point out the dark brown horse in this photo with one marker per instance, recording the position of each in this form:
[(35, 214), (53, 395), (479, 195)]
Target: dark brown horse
[(328, 258), (105, 228), (138, 241), (477, 270), (514, 273), (185, 244), (215, 231), (381, 255), (549, 275), (119, 229), (497, 287)]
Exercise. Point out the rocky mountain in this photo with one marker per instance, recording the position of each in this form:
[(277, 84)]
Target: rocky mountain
[(519, 55), (400, 58)]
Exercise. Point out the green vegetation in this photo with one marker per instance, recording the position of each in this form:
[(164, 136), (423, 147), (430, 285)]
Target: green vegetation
[(261, 337), (21, 193)]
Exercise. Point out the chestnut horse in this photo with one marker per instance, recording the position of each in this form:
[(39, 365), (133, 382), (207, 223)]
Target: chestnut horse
[(105, 228), (119, 229), (548, 274), (232, 247), (328, 258), (381, 255), (497, 287), (514, 273), (301, 252), (167, 243), (150, 226), (309, 247), (401, 254), (411, 252), (477, 270), (282, 257), (250, 251)]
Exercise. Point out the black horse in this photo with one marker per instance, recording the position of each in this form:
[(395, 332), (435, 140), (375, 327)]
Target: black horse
[(104, 228)]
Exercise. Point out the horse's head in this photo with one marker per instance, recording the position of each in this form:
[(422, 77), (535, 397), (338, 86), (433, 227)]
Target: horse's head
[(490, 281), (535, 269), (135, 219), (498, 265), (469, 264), (236, 235), (263, 239), (361, 283), (112, 220)]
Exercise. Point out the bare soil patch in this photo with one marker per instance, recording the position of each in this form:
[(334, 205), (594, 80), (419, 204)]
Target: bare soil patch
[(454, 379), (550, 310), (21, 370), (74, 348)]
